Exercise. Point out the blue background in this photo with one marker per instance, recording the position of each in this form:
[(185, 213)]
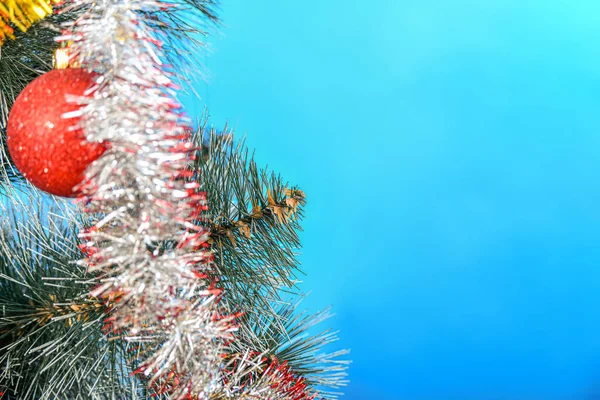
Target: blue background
[(450, 151)]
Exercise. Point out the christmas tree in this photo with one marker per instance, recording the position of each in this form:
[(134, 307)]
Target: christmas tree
[(173, 274)]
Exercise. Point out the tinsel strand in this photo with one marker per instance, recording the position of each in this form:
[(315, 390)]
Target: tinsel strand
[(149, 254), (256, 376)]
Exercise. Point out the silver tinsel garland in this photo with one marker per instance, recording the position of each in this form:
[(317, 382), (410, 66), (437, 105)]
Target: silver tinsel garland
[(149, 254)]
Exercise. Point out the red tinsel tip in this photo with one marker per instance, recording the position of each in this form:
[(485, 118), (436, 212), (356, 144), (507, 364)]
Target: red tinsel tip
[(154, 41), (183, 174), (195, 240), (282, 378), (287, 383), (183, 147), (166, 6), (200, 275), (89, 251), (184, 137), (167, 384)]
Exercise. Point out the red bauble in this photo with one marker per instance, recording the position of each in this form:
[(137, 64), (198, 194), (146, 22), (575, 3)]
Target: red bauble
[(43, 145)]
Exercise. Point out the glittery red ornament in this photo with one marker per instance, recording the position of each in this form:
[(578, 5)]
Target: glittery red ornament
[(43, 145)]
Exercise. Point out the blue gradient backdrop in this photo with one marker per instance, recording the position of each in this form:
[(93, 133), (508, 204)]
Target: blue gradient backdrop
[(450, 151)]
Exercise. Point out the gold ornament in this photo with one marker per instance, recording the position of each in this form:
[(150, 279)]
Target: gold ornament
[(22, 14), (61, 58)]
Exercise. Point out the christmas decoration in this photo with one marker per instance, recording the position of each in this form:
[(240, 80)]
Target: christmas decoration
[(174, 275), (45, 143), (61, 59), (162, 293), (24, 59), (22, 14)]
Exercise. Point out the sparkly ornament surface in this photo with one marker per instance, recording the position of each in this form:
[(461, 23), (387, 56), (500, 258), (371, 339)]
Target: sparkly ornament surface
[(49, 149)]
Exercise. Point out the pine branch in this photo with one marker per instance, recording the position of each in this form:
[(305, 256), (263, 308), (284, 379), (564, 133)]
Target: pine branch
[(304, 353), (182, 28), (273, 212), (52, 345), (45, 296), (25, 58), (21, 61), (256, 218)]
